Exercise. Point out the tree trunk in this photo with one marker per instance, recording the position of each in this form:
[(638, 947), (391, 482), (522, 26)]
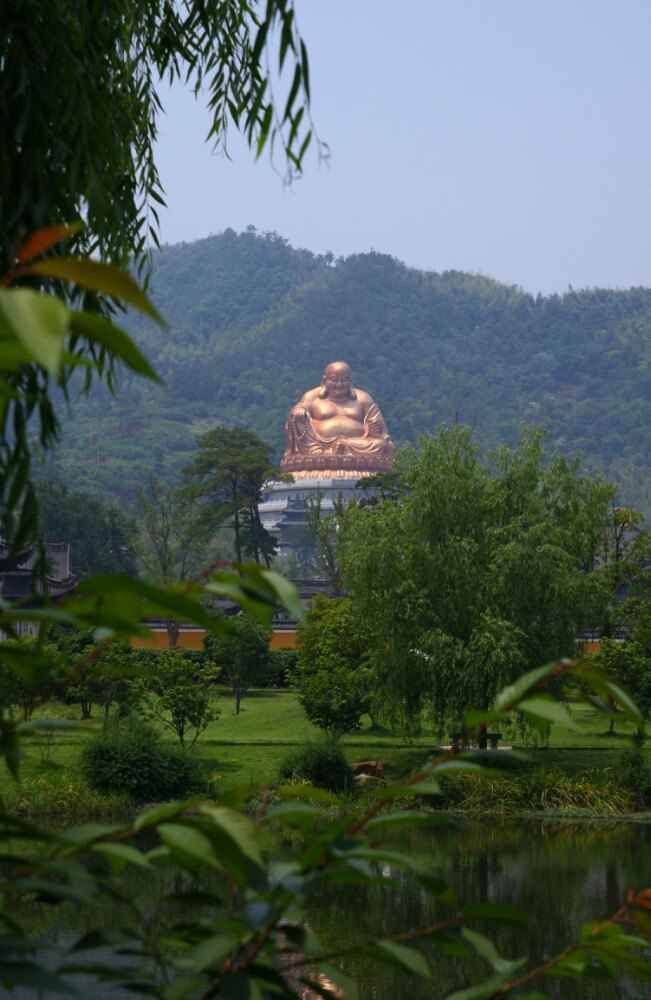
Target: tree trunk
[(238, 543), (238, 699), (86, 709)]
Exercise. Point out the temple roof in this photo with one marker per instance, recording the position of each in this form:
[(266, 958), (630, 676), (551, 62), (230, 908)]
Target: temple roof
[(17, 578)]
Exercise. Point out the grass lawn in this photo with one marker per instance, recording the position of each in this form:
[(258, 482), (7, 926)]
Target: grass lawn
[(248, 747)]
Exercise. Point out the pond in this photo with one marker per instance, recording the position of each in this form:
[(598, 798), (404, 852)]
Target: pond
[(560, 874)]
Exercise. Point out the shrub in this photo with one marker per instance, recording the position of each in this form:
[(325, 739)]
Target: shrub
[(281, 667), (633, 771), (323, 764), (130, 759)]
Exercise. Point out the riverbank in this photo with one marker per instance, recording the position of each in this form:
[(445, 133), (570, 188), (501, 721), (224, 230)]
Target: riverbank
[(248, 749)]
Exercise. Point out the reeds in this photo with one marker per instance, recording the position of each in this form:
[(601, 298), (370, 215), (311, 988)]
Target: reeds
[(542, 791), (58, 796)]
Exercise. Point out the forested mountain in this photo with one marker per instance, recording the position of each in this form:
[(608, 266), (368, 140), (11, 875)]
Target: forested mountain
[(253, 322)]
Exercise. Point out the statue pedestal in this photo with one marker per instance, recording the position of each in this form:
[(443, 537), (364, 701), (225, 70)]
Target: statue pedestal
[(282, 510)]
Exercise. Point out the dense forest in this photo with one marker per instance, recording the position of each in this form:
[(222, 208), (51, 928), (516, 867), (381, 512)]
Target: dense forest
[(253, 321)]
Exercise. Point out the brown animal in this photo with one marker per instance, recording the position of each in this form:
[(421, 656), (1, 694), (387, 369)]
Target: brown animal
[(372, 768)]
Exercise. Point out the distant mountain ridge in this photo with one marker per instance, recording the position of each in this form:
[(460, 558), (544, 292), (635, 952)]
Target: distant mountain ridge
[(253, 321)]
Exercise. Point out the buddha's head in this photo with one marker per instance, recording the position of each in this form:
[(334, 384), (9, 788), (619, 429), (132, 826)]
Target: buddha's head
[(337, 381)]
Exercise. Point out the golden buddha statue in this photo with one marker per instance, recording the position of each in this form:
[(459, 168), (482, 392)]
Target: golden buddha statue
[(336, 430)]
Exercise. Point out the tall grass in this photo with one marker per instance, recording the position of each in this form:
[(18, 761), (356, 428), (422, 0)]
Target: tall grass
[(542, 791), (60, 796)]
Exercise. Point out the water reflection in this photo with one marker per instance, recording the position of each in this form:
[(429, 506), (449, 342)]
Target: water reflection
[(561, 874)]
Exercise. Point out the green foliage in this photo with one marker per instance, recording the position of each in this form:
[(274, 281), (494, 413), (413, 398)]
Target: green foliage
[(633, 772), (99, 140), (544, 791), (325, 538), (101, 535), (106, 680), (128, 758), (59, 796), (30, 672), (333, 677), (174, 534), (242, 655), (322, 764), (103, 134), (474, 573), (180, 695), (282, 665), (253, 322), (228, 472)]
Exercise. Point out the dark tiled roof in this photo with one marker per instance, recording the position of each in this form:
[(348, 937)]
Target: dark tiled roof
[(17, 579)]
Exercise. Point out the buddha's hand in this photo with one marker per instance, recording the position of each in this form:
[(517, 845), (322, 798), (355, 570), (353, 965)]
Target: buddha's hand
[(301, 419)]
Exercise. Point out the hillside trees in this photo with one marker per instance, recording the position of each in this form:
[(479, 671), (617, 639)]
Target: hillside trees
[(428, 346), (474, 573), (101, 535)]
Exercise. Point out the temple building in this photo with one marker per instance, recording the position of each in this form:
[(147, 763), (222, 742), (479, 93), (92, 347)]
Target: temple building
[(18, 582)]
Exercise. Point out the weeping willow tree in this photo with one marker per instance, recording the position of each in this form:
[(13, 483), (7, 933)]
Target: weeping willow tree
[(81, 92), (476, 569)]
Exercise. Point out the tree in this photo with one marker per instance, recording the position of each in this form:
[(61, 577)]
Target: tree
[(325, 534), (624, 555), (630, 659), (175, 535), (101, 535), (31, 671), (242, 654), (229, 471), (99, 141), (180, 694), (105, 681), (474, 572), (332, 676)]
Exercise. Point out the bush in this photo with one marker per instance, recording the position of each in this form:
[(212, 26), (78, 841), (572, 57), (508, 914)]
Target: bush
[(633, 771), (130, 759), (281, 667), (321, 764)]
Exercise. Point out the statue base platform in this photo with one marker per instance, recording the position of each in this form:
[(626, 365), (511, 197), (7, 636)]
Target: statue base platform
[(326, 474), (335, 466)]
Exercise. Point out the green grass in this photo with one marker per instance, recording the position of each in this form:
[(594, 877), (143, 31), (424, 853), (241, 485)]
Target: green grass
[(248, 747)]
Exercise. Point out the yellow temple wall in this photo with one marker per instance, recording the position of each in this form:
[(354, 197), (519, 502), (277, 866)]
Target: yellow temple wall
[(193, 639)]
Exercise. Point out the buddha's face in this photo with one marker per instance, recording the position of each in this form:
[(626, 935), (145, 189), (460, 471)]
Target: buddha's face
[(338, 380)]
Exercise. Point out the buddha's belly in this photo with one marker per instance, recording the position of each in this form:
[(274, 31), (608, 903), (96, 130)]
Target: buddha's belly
[(338, 426)]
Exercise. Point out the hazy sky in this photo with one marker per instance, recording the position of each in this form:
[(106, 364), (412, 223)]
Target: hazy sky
[(507, 137)]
